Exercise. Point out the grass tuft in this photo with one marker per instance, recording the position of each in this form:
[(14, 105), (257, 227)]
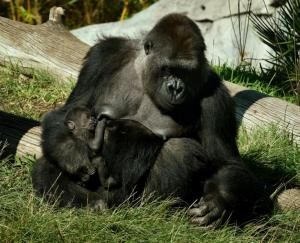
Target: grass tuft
[(30, 93), (247, 76)]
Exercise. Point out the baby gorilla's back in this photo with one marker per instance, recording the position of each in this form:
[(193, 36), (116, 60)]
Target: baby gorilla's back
[(129, 152), (142, 162)]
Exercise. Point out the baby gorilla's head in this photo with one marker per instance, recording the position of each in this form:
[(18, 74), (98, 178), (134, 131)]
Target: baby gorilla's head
[(81, 122)]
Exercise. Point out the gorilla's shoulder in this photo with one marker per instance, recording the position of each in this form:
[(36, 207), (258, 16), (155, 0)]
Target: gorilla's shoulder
[(118, 46)]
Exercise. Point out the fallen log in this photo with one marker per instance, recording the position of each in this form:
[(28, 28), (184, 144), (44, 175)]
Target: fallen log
[(20, 135), (50, 46), (253, 110)]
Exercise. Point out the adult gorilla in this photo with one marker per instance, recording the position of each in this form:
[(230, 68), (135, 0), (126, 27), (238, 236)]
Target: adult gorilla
[(165, 83)]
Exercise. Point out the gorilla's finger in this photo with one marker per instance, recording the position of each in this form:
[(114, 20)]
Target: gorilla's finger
[(213, 225), (211, 217), (85, 178), (198, 212)]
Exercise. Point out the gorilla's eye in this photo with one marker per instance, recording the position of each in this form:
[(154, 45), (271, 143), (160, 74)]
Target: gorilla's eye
[(148, 47)]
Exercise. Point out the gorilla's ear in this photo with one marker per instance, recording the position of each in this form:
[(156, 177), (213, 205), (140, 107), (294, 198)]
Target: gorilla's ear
[(148, 45), (70, 124)]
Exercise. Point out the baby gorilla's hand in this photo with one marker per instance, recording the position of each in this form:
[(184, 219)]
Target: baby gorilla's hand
[(84, 172)]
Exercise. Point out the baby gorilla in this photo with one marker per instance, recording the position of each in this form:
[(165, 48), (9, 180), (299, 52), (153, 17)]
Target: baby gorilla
[(84, 127), (127, 151), (87, 133)]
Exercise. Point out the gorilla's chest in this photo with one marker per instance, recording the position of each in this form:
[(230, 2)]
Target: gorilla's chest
[(122, 96), (130, 103), (159, 123)]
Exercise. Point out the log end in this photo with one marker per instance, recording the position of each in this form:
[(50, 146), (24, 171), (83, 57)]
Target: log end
[(288, 200), (55, 14)]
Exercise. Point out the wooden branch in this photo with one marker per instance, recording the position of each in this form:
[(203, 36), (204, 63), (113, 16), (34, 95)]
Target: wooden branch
[(47, 46), (52, 47)]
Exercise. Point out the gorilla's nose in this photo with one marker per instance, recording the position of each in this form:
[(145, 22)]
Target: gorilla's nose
[(175, 88)]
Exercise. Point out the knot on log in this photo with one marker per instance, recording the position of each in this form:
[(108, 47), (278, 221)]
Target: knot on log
[(288, 200), (55, 14)]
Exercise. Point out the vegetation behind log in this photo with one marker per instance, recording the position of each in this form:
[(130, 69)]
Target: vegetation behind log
[(80, 13), (282, 34)]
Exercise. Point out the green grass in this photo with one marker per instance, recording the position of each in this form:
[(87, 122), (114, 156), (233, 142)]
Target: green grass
[(30, 93), (26, 218), (248, 76)]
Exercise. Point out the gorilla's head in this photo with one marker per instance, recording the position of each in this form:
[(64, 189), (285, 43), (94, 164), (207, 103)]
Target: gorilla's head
[(174, 66)]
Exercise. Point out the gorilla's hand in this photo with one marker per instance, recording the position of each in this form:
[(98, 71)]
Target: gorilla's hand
[(209, 212), (81, 171)]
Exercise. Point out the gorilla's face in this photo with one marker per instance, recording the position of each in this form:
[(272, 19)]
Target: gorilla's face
[(174, 67)]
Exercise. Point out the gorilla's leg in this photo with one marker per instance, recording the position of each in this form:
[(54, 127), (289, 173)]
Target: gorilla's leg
[(231, 192), (180, 170), (183, 169)]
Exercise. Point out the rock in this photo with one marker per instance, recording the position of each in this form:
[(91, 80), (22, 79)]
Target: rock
[(218, 21)]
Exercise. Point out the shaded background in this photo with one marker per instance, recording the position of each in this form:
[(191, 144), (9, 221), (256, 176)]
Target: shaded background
[(79, 12)]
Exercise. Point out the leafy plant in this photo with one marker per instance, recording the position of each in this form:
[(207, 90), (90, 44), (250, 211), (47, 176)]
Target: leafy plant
[(241, 28), (282, 34)]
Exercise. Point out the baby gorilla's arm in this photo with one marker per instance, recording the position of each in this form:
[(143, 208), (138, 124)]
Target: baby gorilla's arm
[(96, 143)]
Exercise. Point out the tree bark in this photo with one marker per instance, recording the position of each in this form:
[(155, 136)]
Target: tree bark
[(20, 136), (50, 46), (255, 109)]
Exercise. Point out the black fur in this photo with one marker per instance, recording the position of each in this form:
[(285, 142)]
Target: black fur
[(50, 182), (165, 83), (128, 152)]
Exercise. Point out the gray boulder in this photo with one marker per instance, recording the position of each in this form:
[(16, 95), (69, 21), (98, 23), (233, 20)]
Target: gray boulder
[(224, 24)]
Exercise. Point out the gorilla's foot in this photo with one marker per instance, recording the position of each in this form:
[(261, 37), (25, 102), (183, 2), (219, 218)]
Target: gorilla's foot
[(99, 205), (207, 213)]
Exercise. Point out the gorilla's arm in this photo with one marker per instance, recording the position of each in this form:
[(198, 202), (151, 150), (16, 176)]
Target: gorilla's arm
[(101, 62), (217, 130), (96, 143), (231, 188)]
